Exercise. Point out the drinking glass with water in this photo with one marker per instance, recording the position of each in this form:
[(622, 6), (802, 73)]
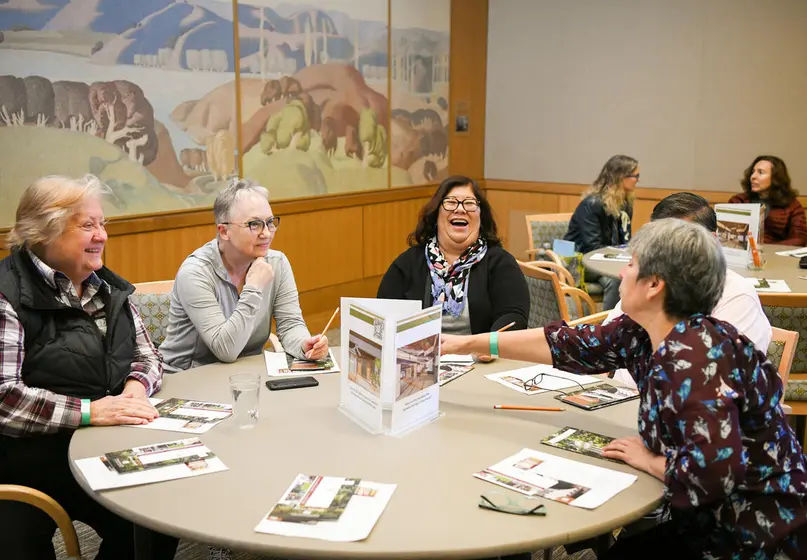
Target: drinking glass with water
[(245, 389)]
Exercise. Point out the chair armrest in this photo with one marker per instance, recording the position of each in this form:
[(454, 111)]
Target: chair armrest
[(563, 274), (594, 319), (580, 297), (50, 506)]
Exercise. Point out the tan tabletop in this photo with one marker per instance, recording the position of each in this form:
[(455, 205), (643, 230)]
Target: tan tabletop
[(776, 268), (433, 512)]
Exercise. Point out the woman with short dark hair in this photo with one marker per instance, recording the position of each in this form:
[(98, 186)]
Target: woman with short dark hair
[(603, 217), (766, 181), (456, 259)]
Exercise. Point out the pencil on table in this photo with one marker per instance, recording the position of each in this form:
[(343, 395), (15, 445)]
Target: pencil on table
[(329, 322), (541, 408), (504, 328)]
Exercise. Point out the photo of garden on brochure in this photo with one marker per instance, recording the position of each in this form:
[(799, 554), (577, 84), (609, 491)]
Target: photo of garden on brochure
[(150, 463), (186, 415), (541, 475), (580, 441), (328, 507)]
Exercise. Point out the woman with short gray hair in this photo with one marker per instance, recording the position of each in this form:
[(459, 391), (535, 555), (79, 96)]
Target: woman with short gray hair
[(227, 291), (711, 423)]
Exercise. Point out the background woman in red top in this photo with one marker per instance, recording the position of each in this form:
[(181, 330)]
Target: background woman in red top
[(766, 181)]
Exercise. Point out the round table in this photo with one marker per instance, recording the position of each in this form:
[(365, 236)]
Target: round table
[(433, 512), (776, 267)]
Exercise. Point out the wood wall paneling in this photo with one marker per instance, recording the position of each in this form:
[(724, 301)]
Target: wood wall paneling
[(467, 89), (324, 248), (154, 255), (386, 228), (318, 305)]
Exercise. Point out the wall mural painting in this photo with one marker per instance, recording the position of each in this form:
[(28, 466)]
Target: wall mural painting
[(142, 93)]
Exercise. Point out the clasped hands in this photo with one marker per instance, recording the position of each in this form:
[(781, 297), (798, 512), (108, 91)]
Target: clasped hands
[(132, 406)]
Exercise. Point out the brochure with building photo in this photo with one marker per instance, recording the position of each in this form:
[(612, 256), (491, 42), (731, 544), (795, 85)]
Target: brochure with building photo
[(450, 372), (150, 463), (390, 355), (537, 474), (328, 507), (186, 415), (279, 364), (599, 396), (580, 441), (736, 223)]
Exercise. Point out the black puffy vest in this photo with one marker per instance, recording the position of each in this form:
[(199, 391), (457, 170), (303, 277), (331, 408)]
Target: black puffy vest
[(64, 350)]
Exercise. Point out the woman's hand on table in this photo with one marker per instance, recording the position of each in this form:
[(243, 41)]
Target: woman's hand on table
[(631, 450), (316, 347)]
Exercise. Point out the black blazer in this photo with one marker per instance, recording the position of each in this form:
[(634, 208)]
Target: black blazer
[(498, 292), (591, 227)]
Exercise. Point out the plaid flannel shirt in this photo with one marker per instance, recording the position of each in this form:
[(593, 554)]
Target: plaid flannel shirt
[(26, 411)]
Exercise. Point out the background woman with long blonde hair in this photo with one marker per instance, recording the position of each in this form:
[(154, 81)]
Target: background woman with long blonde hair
[(603, 217)]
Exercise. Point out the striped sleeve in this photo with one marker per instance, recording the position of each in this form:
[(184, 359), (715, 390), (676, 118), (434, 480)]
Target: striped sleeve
[(147, 363)]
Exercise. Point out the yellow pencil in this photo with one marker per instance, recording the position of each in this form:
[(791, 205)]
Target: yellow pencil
[(329, 322), (504, 328), (543, 408)]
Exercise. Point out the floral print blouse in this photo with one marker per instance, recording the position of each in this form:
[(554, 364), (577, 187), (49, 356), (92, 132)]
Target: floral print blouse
[(736, 478)]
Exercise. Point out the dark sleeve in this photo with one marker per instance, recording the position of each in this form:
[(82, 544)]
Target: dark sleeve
[(796, 226), (597, 348), (737, 199), (508, 292), (396, 280), (589, 227)]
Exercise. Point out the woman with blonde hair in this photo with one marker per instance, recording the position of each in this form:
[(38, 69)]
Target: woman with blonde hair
[(73, 352), (603, 217)]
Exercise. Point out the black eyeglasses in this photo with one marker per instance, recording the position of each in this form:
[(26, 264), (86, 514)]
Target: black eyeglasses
[(503, 503), (469, 204), (256, 226), (534, 384)]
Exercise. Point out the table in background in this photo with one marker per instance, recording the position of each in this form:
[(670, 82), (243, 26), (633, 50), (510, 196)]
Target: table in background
[(433, 512), (776, 267)]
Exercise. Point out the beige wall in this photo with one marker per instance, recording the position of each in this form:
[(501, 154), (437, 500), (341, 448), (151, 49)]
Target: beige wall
[(694, 89)]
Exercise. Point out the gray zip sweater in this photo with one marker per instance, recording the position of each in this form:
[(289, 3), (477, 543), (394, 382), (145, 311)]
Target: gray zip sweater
[(210, 322)]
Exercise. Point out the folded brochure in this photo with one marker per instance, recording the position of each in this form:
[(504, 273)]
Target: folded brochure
[(328, 507), (541, 475), (150, 463), (449, 372), (580, 441), (187, 415), (277, 365), (599, 396)]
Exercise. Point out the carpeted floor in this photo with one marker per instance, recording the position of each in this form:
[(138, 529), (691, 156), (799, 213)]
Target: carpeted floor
[(195, 551)]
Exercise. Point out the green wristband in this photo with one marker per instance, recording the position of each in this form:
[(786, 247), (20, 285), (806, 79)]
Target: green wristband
[(494, 344), (85, 412)]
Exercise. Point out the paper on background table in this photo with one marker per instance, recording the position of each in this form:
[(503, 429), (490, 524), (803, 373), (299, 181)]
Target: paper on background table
[(278, 366), (313, 494), (774, 286), (800, 252), (187, 415), (456, 359), (101, 475), (617, 257), (537, 474), (514, 379)]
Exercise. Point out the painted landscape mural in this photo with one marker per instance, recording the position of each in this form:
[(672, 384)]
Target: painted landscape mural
[(143, 94)]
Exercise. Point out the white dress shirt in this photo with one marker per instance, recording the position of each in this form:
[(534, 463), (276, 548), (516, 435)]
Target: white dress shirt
[(739, 306)]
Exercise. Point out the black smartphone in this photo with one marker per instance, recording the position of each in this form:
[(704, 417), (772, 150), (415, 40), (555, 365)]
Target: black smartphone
[(291, 383)]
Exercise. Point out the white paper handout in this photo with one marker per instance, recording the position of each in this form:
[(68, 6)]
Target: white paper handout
[(768, 285), (330, 508), (390, 356), (277, 365), (457, 359), (610, 257), (552, 379), (150, 463), (737, 224), (186, 415), (798, 253), (547, 476)]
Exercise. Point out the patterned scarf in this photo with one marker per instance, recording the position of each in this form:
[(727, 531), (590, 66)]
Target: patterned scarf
[(450, 282)]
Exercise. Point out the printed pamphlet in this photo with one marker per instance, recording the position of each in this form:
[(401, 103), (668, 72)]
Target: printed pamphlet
[(450, 372), (277, 365), (328, 507), (599, 396), (768, 285), (580, 441), (150, 463), (537, 474), (610, 257), (186, 415), (533, 380)]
